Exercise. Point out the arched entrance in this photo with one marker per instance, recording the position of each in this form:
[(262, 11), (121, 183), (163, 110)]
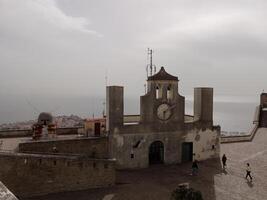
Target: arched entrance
[(156, 153)]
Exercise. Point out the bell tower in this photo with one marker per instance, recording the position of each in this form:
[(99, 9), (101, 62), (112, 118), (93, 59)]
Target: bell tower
[(162, 107)]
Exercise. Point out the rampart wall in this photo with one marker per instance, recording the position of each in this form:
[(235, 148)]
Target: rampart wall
[(33, 174), (28, 132), (245, 138), (91, 147)]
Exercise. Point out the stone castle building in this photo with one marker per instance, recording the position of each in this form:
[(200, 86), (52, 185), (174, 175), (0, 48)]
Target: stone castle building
[(163, 133)]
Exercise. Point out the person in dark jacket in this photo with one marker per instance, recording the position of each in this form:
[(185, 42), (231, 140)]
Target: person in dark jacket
[(194, 168), (224, 159), (248, 170)]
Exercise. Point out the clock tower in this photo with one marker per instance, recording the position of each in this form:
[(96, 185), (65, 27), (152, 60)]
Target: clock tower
[(162, 108)]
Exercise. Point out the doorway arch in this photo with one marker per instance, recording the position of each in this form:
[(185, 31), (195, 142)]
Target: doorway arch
[(156, 153)]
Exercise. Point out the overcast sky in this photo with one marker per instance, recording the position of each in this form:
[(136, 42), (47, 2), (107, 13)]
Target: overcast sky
[(66, 47)]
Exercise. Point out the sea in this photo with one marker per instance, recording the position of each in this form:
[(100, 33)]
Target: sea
[(233, 113)]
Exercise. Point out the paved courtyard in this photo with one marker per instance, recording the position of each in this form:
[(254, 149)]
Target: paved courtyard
[(157, 182)]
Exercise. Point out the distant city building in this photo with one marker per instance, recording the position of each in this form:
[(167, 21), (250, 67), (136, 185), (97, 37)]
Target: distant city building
[(95, 127)]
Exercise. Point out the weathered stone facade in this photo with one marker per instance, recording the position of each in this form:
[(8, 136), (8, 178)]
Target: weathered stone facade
[(28, 132), (38, 174), (91, 147), (57, 165), (164, 133), (263, 110)]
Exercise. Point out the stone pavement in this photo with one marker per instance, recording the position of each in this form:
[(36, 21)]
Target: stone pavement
[(157, 182), (5, 194), (233, 185)]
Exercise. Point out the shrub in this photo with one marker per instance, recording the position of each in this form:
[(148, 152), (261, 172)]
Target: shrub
[(183, 193)]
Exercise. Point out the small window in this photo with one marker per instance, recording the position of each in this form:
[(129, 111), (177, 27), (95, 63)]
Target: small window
[(40, 161), (157, 92), (132, 155), (94, 165), (106, 166), (169, 92), (55, 162)]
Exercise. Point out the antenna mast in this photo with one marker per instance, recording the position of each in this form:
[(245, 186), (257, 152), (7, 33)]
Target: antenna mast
[(150, 67)]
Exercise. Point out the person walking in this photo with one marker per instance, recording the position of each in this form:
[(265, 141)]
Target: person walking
[(224, 159), (248, 170), (194, 168)]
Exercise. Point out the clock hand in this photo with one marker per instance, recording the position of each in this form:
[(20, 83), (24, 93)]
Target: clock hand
[(171, 107), (164, 112)]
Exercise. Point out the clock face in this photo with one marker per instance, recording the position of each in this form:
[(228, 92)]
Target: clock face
[(164, 111)]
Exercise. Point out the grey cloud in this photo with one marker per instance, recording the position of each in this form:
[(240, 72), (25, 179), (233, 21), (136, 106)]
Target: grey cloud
[(68, 46)]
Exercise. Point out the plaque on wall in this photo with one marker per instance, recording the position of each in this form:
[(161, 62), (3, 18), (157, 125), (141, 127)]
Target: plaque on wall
[(197, 138)]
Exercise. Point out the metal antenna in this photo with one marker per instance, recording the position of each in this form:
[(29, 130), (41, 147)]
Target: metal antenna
[(147, 73), (150, 66), (150, 53)]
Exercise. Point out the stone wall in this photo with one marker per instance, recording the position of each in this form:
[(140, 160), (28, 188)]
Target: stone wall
[(15, 133), (129, 155), (92, 147), (203, 105), (206, 143), (114, 107), (149, 109), (263, 118), (263, 100), (31, 175), (249, 137), (131, 118), (28, 132), (132, 150), (241, 138), (68, 131)]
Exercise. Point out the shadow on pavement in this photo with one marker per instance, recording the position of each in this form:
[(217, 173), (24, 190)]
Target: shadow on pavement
[(155, 182), (92, 194), (205, 180), (250, 184)]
